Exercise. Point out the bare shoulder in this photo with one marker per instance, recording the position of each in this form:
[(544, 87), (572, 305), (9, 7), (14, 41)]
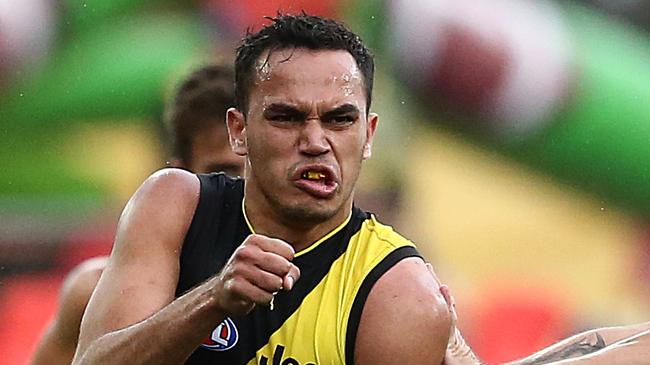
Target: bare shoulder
[(405, 319), (169, 186), (169, 197), (142, 272), (154, 222), (172, 178)]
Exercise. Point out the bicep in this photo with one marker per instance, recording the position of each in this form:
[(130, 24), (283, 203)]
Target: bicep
[(142, 272), (403, 324)]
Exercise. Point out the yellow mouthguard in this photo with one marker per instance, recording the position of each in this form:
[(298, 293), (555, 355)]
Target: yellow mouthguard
[(311, 175)]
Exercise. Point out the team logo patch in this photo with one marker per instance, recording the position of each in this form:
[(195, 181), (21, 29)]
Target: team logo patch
[(223, 338)]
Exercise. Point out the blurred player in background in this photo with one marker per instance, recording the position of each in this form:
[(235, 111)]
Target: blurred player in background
[(199, 143), (195, 120)]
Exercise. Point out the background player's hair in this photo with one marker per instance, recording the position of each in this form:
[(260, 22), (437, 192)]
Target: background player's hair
[(299, 31), (200, 101)]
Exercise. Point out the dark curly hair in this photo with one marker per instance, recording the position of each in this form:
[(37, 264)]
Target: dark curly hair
[(299, 31), (200, 101)]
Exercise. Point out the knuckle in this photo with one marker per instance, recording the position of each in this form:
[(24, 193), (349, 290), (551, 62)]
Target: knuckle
[(226, 273), (229, 285), (236, 270), (245, 253), (291, 253), (232, 284), (254, 239), (237, 285)]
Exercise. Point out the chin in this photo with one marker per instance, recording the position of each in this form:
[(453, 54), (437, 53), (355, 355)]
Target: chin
[(300, 208), (309, 213)]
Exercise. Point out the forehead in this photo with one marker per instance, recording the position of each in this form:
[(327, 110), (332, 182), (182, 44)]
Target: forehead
[(303, 76)]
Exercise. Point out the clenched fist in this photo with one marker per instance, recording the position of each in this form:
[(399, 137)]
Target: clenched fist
[(259, 268)]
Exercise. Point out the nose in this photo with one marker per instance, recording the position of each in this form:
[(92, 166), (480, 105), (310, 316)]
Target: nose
[(313, 140)]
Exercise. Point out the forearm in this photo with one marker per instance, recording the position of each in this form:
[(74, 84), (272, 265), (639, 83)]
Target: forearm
[(582, 344), (629, 351), (578, 345), (167, 337), (53, 349)]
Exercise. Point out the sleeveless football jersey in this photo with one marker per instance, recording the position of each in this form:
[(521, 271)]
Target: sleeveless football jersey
[(314, 323)]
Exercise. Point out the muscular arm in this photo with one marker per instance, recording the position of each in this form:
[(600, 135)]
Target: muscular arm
[(132, 316), (58, 344), (130, 308), (404, 311)]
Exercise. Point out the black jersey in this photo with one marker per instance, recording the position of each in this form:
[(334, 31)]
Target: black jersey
[(314, 323)]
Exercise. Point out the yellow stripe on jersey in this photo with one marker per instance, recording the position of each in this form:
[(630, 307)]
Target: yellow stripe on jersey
[(316, 332), (313, 245)]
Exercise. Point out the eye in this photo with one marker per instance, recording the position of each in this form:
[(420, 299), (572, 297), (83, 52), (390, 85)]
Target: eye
[(342, 119), (283, 118)]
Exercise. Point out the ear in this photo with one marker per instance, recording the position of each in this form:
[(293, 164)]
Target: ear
[(236, 123), (371, 127)]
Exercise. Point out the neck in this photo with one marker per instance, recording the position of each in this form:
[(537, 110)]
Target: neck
[(266, 220)]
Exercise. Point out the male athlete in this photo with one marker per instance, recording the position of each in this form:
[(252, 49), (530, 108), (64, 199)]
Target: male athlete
[(282, 269), (199, 143)]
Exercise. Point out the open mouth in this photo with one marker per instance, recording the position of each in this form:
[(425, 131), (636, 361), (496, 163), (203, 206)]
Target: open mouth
[(317, 181)]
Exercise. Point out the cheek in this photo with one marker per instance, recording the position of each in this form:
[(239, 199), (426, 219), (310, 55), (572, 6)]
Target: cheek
[(269, 139), (352, 141), (270, 149), (349, 151)]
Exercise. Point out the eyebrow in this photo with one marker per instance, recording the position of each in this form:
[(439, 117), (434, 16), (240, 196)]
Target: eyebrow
[(283, 108), (340, 110)]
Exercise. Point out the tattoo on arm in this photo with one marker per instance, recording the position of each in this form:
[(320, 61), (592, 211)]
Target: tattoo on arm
[(582, 346), (634, 339)]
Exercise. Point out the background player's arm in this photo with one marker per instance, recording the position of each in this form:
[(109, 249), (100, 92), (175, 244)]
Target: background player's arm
[(59, 341), (629, 351), (405, 319), (596, 347)]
